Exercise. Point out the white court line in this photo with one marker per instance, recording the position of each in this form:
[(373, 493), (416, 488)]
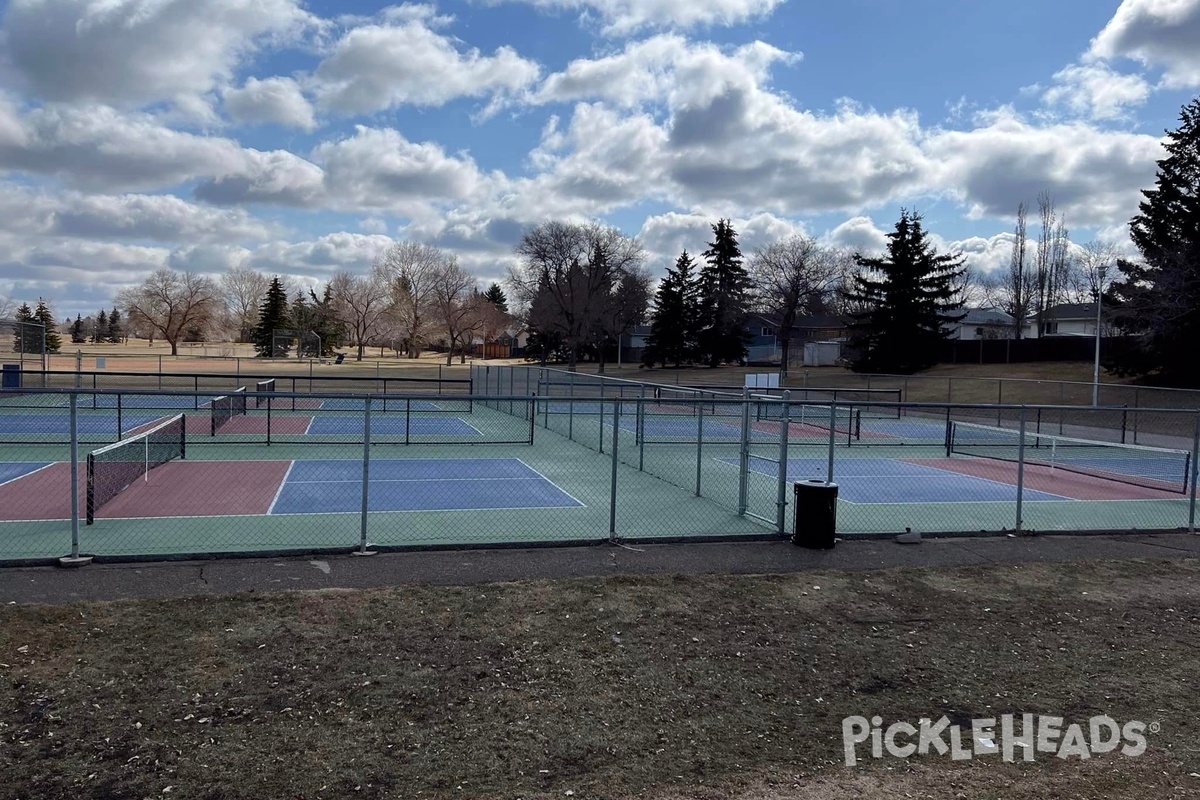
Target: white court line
[(547, 480), (358, 481), (26, 474), (282, 483)]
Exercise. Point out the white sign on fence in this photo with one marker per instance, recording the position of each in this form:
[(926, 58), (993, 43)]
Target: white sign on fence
[(762, 380)]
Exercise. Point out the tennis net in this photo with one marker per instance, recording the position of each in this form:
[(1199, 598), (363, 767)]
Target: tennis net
[(226, 407), (1139, 465), (845, 420), (263, 386), (111, 469)]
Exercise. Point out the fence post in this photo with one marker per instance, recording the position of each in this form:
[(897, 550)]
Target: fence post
[(407, 418), (744, 460), (571, 410), (533, 404), (366, 478), (1020, 470), (1137, 407), (1195, 469), (612, 495), (641, 429), (781, 500), (699, 444), (832, 435), (74, 557), (120, 426)]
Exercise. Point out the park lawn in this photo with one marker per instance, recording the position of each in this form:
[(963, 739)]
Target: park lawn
[(656, 687)]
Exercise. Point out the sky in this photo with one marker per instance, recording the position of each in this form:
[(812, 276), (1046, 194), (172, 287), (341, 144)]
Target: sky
[(302, 138)]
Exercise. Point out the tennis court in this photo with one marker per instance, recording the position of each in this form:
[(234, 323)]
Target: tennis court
[(263, 471)]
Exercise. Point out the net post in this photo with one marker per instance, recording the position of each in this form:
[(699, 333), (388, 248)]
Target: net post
[(366, 480), (699, 444), (832, 440), (183, 437), (612, 492), (1194, 470), (196, 389), (781, 499), (269, 401), (120, 426), (744, 460), (1125, 423), (1020, 471), (571, 408), (407, 418)]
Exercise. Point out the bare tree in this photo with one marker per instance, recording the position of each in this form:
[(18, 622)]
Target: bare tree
[(1050, 261), (242, 289), (791, 274), (1021, 283), (456, 302), (360, 303), (7, 306), (410, 271), (570, 269), (170, 304), (626, 304)]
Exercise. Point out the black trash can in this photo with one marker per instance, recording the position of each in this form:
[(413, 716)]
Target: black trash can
[(816, 514)]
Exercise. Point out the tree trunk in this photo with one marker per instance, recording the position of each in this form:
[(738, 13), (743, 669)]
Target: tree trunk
[(361, 348), (785, 347), (174, 347)]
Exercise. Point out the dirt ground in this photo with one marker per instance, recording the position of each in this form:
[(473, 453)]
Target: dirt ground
[(657, 687)]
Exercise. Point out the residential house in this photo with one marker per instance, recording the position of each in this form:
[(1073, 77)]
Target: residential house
[(1067, 319), (764, 341), (983, 323)]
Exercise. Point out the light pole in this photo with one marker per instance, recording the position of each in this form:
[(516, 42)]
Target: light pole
[(1100, 271)]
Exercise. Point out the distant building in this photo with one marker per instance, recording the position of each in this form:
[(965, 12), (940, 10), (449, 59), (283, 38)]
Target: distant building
[(983, 323)]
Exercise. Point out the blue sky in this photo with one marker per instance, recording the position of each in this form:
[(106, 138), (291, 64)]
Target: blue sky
[(301, 139)]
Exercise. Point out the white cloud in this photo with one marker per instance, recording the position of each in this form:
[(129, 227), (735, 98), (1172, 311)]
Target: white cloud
[(135, 52), (320, 258), (278, 100), (374, 67), (1096, 91), (1158, 33), (130, 217), (665, 68), (1094, 176), (379, 168), (623, 17), (859, 234)]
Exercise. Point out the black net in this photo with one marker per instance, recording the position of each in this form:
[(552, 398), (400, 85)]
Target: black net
[(262, 387), (111, 469), (226, 407), (1152, 467)]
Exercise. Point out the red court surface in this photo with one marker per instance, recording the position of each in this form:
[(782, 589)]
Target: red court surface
[(175, 489), (1046, 479), (44, 494)]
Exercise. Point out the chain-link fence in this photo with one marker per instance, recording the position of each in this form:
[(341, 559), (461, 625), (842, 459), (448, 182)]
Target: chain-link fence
[(22, 352), (526, 455)]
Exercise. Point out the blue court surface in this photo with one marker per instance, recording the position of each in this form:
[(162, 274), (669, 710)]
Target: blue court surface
[(417, 484), (377, 404), (887, 480), (392, 426), (10, 471), (60, 424)]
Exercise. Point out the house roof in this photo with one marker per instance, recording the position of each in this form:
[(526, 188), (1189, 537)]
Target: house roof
[(802, 323), (985, 316), (1072, 311)]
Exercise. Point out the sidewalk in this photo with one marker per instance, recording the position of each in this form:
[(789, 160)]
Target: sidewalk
[(187, 578)]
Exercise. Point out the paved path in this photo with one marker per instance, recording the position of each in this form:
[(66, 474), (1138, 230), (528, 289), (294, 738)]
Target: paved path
[(184, 578)]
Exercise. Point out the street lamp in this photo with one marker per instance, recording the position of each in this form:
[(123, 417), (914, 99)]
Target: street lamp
[(1100, 271)]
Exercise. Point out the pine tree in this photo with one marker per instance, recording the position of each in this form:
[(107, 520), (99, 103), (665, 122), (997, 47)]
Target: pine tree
[(272, 316), (77, 334), (27, 338), (673, 320), (325, 322), (45, 318), (114, 327), (724, 289), (100, 332), (495, 296), (911, 295), (1159, 298)]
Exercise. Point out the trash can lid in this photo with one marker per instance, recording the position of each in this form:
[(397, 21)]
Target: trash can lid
[(815, 482)]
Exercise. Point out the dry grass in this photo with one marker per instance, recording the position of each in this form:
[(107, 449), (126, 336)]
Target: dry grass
[(670, 687)]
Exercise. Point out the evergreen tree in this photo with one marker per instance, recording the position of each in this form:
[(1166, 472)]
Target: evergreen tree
[(77, 334), (673, 320), (495, 296), (724, 290), (27, 338), (910, 294), (272, 316), (43, 316), (1159, 298), (325, 322), (114, 327), (100, 332)]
